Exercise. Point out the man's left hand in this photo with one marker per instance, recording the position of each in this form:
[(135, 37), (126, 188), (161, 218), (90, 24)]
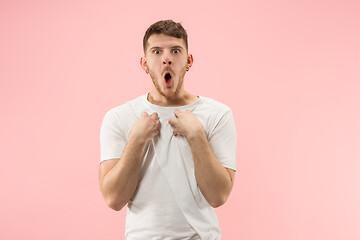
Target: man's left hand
[(186, 124)]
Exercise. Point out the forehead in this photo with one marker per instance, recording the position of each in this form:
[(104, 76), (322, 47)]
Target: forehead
[(164, 41)]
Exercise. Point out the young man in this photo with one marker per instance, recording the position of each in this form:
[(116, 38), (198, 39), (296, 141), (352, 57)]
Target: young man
[(170, 154)]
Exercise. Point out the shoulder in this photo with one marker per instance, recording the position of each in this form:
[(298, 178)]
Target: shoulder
[(211, 112), (125, 110), (137, 105), (213, 107)]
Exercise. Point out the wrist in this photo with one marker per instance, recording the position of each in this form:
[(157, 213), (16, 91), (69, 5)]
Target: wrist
[(137, 139), (196, 136)]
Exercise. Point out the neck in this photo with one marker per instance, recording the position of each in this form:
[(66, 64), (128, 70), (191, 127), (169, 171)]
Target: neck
[(180, 99)]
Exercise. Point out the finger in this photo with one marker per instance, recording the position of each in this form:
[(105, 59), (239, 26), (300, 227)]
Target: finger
[(173, 122), (144, 114), (158, 124), (175, 133), (154, 115), (177, 113), (157, 133)]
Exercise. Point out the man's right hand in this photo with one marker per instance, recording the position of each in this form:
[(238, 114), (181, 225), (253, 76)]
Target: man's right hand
[(146, 127), (119, 177)]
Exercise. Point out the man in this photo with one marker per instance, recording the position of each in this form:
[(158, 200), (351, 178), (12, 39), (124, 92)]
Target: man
[(170, 154)]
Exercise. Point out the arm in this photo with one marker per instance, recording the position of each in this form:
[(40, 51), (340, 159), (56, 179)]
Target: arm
[(214, 180), (119, 177)]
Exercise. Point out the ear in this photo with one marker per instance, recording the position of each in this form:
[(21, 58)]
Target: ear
[(190, 60), (143, 64)]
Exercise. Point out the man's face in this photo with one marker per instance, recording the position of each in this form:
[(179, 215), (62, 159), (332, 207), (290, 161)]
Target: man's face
[(166, 59)]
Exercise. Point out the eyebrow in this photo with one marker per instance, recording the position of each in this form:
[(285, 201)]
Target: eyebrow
[(177, 46)]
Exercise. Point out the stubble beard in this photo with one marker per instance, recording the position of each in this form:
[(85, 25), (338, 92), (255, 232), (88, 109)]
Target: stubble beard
[(178, 88)]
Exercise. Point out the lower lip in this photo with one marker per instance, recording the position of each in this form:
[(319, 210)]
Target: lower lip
[(168, 83)]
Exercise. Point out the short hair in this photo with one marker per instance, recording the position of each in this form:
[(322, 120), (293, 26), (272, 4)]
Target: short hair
[(167, 27)]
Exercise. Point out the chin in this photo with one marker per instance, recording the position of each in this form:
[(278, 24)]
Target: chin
[(169, 95)]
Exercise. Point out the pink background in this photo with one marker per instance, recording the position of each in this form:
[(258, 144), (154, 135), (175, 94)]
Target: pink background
[(288, 69)]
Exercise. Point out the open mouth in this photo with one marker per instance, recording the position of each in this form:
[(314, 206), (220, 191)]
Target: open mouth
[(168, 80), (167, 77)]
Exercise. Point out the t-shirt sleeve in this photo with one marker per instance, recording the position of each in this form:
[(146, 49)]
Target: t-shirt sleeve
[(112, 137), (222, 141)]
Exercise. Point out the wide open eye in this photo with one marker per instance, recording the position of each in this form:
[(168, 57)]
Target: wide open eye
[(176, 51), (156, 51)]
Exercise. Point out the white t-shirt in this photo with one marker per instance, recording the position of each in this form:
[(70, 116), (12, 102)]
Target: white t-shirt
[(167, 203)]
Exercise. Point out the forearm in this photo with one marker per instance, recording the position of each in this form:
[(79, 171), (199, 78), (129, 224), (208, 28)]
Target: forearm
[(119, 184), (212, 178)]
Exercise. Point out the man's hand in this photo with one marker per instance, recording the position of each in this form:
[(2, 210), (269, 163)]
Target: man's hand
[(186, 124), (146, 127), (213, 179), (119, 176)]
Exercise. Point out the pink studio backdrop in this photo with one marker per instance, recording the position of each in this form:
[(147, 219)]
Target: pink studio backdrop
[(288, 69)]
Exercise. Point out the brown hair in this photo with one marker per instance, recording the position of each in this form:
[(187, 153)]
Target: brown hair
[(167, 27)]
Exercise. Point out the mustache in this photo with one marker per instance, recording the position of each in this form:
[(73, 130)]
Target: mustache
[(168, 69)]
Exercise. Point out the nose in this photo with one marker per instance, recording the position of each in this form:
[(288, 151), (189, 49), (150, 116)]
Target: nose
[(167, 59), (167, 62)]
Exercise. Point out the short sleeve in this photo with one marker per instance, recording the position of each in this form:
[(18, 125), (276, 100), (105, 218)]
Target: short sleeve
[(222, 141), (112, 137)]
